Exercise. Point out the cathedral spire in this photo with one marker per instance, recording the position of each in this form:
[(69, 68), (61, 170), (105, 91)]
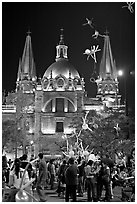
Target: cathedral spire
[(107, 82), (33, 71), (107, 65), (19, 71), (28, 66), (61, 48)]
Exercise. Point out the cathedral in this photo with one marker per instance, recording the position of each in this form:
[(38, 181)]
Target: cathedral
[(44, 107)]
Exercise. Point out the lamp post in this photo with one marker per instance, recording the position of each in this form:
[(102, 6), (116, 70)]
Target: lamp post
[(32, 149), (121, 73)]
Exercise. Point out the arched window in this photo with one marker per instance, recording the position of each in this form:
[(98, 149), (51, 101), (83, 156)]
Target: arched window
[(106, 87), (60, 105), (111, 87)]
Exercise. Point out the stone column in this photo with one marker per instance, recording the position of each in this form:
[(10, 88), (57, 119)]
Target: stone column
[(65, 105), (80, 103), (37, 129), (53, 105)]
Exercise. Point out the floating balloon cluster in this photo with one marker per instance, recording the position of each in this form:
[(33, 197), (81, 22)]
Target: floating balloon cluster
[(92, 52), (129, 6), (78, 144)]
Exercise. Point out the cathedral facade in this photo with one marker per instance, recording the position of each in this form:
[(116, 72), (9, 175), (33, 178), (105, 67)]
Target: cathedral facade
[(44, 107)]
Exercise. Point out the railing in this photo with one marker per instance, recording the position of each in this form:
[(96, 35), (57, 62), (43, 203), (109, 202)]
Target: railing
[(8, 108)]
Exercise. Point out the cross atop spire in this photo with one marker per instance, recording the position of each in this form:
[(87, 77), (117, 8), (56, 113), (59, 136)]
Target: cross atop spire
[(61, 42), (69, 74), (28, 32), (106, 32)]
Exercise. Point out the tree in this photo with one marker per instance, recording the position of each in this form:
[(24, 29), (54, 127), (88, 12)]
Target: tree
[(14, 131), (106, 131), (11, 137), (23, 102)]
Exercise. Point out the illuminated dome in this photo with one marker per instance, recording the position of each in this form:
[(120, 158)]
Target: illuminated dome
[(61, 67)]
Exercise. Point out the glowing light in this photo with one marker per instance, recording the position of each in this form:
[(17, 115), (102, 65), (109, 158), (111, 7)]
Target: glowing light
[(53, 109), (120, 73), (30, 131), (31, 142), (79, 87)]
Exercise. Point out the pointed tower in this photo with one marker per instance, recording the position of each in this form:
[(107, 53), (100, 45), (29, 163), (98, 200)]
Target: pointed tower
[(27, 64), (107, 83), (18, 76), (26, 72), (19, 71)]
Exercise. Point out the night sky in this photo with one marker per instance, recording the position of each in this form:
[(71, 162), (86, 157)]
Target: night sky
[(45, 19)]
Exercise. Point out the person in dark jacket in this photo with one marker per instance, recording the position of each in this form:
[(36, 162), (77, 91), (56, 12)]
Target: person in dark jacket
[(51, 171), (41, 178), (71, 180), (61, 178), (104, 180), (81, 175), (24, 163)]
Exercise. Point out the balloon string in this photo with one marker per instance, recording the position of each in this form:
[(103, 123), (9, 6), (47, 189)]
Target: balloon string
[(31, 196)]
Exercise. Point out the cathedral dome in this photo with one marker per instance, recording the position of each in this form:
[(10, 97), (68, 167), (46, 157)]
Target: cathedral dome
[(61, 67)]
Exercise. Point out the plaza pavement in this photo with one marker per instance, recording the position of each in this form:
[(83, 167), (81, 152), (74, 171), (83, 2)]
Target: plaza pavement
[(52, 196)]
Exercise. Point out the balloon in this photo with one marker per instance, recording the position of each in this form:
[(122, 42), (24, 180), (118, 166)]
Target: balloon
[(22, 196), (87, 51), (85, 126), (71, 153), (86, 153), (92, 157)]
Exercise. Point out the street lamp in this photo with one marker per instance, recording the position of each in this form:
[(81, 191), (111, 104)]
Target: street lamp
[(120, 72)]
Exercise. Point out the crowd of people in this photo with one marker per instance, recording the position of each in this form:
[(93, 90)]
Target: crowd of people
[(70, 178)]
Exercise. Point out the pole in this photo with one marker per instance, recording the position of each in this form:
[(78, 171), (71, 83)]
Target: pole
[(126, 97), (16, 148), (126, 105)]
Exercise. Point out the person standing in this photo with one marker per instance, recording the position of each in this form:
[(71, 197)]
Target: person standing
[(81, 168), (71, 180), (91, 181), (61, 178), (24, 163), (100, 182), (42, 176), (51, 170), (106, 182)]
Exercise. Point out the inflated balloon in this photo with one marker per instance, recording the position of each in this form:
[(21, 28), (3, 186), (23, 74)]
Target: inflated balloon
[(92, 157), (86, 153), (85, 126), (71, 153), (87, 51), (22, 196)]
